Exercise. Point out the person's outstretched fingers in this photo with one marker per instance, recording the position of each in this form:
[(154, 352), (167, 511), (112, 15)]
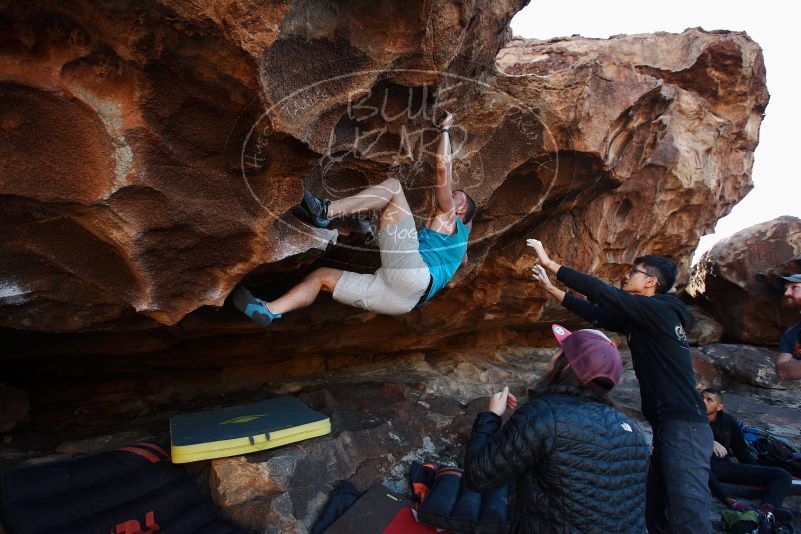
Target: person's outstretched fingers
[(536, 244), (511, 402), (539, 274)]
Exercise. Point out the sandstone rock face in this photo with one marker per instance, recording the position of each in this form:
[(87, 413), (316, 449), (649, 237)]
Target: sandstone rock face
[(133, 190), (705, 329), (237, 480), (722, 365), (149, 157), (735, 281)]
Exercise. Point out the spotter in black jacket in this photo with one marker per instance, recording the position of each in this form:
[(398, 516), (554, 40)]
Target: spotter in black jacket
[(579, 464), (655, 327)]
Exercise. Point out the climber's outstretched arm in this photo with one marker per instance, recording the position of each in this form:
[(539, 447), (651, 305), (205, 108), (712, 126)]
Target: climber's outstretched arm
[(444, 184)]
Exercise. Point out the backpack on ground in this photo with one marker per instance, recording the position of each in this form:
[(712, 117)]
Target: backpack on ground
[(735, 522), (771, 450), (443, 501), (133, 489)]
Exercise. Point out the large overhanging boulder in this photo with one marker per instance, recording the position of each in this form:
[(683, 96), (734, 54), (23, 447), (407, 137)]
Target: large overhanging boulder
[(149, 157), (737, 282)]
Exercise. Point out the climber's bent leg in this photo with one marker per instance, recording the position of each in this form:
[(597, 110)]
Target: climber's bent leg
[(397, 286), (376, 198), (303, 294)]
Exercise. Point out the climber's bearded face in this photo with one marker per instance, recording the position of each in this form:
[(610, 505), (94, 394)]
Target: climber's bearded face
[(792, 295)]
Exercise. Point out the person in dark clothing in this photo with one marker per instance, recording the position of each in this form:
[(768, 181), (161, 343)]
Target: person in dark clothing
[(578, 464), (678, 498), (729, 442), (788, 364)]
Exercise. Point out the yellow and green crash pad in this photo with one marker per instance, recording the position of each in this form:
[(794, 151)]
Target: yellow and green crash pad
[(243, 429)]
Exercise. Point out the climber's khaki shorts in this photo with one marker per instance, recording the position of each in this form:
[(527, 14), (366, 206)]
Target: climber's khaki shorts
[(396, 287)]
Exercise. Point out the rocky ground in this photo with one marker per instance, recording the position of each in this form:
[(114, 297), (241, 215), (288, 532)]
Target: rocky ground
[(383, 418)]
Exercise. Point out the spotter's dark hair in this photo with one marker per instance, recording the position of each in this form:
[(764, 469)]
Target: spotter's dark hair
[(664, 269), (471, 207)]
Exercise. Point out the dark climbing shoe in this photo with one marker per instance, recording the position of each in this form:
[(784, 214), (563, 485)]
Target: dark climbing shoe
[(312, 210), (254, 308)]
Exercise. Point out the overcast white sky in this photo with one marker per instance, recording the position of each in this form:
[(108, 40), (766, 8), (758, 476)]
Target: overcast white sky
[(777, 184)]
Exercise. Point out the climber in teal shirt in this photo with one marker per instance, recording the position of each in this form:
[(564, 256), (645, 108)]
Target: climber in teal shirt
[(414, 265), (443, 253)]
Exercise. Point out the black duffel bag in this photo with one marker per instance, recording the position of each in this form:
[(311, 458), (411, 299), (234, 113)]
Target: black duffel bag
[(443, 501)]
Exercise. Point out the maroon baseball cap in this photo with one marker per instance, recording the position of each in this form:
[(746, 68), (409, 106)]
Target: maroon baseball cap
[(590, 354)]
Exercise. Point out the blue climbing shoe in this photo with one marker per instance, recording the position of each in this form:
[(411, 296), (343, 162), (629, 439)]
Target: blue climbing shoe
[(255, 309), (313, 210)]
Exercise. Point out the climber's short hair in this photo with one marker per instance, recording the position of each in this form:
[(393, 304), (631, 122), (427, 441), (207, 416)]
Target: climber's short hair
[(471, 207)]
